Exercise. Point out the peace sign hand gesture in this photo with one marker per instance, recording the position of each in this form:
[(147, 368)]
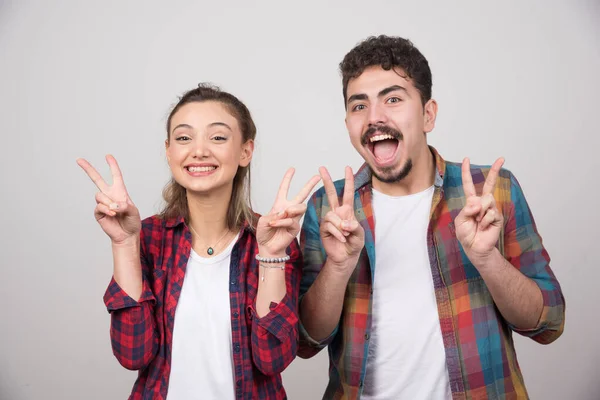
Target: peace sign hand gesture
[(479, 223), (115, 212), (342, 236), (276, 230)]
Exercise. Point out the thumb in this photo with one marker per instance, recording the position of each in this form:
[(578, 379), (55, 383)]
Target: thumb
[(462, 218), (123, 207), (274, 217), (470, 210), (352, 226)]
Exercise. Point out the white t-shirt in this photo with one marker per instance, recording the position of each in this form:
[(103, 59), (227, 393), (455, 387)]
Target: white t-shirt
[(202, 358), (406, 358)]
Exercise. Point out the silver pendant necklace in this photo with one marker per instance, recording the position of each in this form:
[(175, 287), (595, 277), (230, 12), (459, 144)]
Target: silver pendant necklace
[(211, 250)]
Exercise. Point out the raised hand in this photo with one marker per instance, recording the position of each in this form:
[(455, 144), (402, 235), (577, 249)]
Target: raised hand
[(479, 223), (115, 212), (342, 236), (276, 230)]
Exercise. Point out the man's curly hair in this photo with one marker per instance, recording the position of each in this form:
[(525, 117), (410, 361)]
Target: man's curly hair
[(388, 52)]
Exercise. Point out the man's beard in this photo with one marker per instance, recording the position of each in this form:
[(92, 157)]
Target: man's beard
[(386, 175)]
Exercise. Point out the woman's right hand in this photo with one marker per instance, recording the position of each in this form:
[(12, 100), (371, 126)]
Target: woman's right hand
[(115, 212)]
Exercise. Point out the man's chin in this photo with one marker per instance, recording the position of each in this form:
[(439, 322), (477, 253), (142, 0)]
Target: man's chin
[(391, 174)]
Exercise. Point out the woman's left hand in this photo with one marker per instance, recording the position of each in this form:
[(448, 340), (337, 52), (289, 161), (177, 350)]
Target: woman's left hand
[(277, 229)]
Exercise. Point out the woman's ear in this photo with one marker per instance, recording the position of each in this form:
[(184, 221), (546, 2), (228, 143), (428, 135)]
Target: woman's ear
[(247, 151)]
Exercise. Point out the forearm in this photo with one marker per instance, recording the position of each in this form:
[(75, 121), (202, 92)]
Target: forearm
[(518, 298), (127, 267), (321, 306), (271, 284), (133, 331), (274, 334)]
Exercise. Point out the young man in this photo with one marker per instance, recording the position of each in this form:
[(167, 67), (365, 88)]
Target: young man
[(418, 270)]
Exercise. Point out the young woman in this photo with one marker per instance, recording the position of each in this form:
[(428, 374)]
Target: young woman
[(203, 299)]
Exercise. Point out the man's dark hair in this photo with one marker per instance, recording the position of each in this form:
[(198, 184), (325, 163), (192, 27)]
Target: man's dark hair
[(388, 52)]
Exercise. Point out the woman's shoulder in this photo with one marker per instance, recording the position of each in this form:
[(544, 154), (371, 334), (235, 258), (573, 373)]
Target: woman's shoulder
[(153, 223), (158, 232), (157, 225)]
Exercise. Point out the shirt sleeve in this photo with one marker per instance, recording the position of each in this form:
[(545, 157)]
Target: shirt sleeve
[(314, 259), (275, 335), (133, 334), (525, 251)]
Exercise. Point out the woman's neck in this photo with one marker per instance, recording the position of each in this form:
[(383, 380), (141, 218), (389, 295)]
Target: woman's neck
[(208, 214)]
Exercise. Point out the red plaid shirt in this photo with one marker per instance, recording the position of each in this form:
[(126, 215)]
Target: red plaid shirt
[(142, 331)]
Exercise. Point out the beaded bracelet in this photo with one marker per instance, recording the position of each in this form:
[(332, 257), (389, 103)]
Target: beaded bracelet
[(276, 260)]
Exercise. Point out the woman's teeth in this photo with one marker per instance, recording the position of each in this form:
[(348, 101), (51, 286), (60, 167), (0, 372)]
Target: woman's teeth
[(201, 169)]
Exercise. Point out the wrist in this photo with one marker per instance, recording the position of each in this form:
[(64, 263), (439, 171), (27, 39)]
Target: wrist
[(486, 261), (129, 242), (343, 269), (270, 253)]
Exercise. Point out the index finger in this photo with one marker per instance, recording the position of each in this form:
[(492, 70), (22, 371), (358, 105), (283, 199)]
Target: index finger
[(307, 189), (348, 198), (93, 174), (329, 188), (490, 182), (467, 179)]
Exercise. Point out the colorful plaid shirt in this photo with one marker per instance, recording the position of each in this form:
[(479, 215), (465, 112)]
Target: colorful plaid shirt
[(142, 331), (480, 355)]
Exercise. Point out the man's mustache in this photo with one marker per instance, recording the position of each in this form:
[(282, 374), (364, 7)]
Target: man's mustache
[(383, 129)]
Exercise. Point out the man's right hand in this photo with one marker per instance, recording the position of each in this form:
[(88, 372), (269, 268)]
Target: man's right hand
[(342, 236)]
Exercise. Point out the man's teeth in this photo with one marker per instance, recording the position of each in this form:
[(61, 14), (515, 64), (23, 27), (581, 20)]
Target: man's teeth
[(378, 138), (201, 169)]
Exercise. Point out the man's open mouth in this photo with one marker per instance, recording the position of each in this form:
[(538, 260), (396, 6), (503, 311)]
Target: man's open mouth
[(383, 146)]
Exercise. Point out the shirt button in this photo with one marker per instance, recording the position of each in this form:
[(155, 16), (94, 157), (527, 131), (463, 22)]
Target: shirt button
[(238, 383), (367, 336), (360, 384), (236, 348), (235, 314)]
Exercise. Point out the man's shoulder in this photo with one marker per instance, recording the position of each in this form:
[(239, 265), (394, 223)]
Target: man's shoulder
[(479, 173), (320, 195), (318, 203)]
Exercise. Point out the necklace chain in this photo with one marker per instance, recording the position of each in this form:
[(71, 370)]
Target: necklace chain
[(211, 249)]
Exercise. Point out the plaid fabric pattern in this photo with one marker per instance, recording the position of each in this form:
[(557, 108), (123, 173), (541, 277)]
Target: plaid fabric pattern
[(142, 331), (480, 355)]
